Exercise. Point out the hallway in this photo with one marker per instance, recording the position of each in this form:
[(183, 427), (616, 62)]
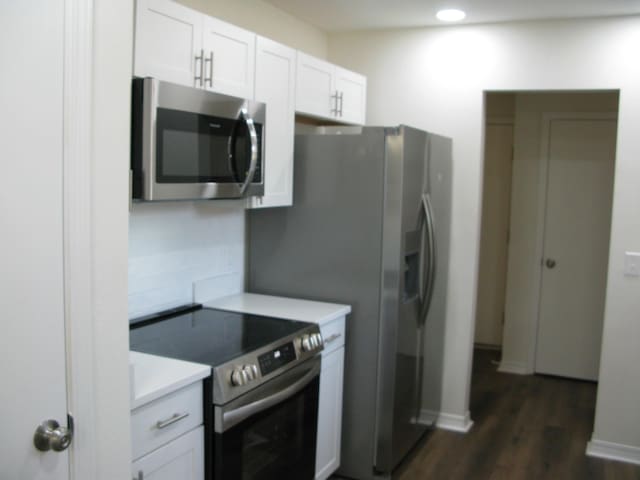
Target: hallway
[(526, 427)]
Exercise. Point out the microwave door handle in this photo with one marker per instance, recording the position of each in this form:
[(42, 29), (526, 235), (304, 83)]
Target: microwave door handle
[(253, 136), (233, 417)]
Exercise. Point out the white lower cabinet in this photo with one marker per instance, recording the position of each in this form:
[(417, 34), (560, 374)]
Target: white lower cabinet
[(330, 414), (167, 437), (182, 458), (330, 404)]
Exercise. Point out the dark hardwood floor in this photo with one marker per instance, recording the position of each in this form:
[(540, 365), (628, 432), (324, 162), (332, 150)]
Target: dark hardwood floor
[(526, 427)]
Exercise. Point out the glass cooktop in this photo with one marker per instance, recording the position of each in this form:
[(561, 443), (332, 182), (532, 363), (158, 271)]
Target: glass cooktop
[(205, 335)]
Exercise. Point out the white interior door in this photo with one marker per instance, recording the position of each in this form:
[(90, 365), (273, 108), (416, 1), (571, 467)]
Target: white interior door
[(495, 231), (32, 370), (581, 155)]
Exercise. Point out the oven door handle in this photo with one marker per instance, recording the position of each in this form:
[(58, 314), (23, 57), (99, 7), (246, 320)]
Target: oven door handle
[(235, 416)]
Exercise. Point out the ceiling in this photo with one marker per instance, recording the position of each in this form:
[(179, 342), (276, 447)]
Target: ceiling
[(336, 15)]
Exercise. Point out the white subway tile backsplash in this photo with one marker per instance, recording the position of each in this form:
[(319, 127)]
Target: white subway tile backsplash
[(175, 245)]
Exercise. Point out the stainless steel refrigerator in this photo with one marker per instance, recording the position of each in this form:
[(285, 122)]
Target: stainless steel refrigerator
[(369, 227)]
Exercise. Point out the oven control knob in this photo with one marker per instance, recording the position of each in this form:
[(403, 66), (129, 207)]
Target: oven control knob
[(305, 342), (238, 377), (251, 371), (318, 338), (314, 341)]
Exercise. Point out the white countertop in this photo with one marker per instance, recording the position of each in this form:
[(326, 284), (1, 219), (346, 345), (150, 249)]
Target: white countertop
[(153, 377), (281, 307)]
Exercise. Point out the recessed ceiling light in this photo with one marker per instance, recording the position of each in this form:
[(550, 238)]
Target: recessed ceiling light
[(450, 15)]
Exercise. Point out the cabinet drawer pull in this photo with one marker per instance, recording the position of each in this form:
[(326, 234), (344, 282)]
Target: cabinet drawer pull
[(332, 338), (176, 417)]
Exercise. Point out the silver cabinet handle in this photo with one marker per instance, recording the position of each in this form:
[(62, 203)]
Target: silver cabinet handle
[(176, 417), (201, 59), (335, 97), (332, 338), (209, 79), (341, 97)]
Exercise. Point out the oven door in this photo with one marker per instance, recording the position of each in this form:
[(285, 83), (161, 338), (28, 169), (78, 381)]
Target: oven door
[(270, 433)]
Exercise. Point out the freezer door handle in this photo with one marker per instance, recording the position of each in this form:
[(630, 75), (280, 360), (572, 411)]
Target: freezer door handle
[(428, 259)]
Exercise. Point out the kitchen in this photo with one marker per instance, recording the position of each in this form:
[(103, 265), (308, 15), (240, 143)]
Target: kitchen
[(588, 54)]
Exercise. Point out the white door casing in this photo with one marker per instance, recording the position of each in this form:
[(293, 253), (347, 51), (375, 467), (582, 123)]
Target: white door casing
[(580, 153), (33, 369), (494, 235)]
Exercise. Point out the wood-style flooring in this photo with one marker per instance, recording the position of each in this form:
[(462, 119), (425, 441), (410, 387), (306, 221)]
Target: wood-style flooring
[(525, 427)]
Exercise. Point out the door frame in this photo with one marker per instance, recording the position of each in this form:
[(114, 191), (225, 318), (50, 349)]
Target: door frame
[(495, 120), (77, 241), (547, 118), (97, 74)]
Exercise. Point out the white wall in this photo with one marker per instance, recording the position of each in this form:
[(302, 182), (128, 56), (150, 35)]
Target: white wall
[(524, 265), (434, 79), (266, 20), (174, 244)]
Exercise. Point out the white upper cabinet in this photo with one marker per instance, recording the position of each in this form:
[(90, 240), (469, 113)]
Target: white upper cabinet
[(168, 39), (324, 90), (229, 58), (315, 93), (275, 86), (179, 45), (352, 96)]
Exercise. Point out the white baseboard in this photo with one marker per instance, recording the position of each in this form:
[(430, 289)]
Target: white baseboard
[(614, 451), (428, 417), (455, 423), (518, 368)]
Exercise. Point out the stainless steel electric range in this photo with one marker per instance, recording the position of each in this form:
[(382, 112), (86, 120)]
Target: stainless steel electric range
[(261, 402)]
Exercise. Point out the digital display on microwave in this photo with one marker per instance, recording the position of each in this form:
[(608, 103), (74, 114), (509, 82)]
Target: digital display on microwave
[(196, 148)]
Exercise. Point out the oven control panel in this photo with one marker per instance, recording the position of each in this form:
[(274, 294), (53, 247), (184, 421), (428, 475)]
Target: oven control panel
[(276, 358)]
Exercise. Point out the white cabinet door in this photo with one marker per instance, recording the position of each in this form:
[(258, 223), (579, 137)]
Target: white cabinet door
[(314, 86), (229, 54), (181, 459), (275, 86), (33, 370), (351, 88), (327, 91), (330, 414), (168, 42)]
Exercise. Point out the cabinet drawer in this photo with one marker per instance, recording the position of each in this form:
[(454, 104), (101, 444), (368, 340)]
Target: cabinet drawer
[(333, 335), (162, 420), (181, 459)]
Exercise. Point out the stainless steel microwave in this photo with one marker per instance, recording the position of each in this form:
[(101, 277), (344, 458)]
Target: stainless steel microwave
[(190, 144)]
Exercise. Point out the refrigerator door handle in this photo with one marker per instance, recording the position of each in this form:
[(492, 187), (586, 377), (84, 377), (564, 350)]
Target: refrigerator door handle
[(430, 266)]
